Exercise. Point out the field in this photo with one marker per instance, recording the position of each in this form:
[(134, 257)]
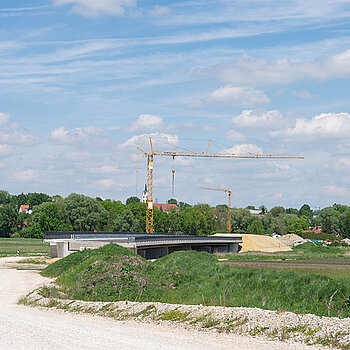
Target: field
[(113, 273), (26, 247), (308, 258)]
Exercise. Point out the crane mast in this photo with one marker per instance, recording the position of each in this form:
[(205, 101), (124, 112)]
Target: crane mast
[(150, 156)]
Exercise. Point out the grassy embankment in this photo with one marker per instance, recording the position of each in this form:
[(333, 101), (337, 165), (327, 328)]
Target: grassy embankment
[(113, 273), (26, 247)]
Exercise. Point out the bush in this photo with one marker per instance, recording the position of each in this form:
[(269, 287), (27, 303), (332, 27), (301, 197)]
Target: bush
[(321, 236)]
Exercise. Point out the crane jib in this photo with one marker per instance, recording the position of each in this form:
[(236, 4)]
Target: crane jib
[(173, 154)]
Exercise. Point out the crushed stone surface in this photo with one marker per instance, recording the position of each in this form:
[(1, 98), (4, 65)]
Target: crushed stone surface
[(132, 325)]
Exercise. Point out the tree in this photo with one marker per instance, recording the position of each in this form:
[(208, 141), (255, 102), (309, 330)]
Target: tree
[(328, 218), (240, 220), (327, 225), (36, 199), (5, 197), (132, 200), (251, 207), (196, 220), (183, 205), (47, 217), (275, 211), (125, 222), (172, 201), (305, 210), (139, 212), (8, 216), (84, 213), (263, 209), (220, 217), (292, 211), (344, 223), (298, 226), (256, 228)]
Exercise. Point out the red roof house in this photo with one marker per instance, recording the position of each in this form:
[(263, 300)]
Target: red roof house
[(24, 208), (165, 207)]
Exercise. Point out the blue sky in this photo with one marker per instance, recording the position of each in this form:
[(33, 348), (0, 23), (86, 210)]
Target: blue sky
[(83, 82)]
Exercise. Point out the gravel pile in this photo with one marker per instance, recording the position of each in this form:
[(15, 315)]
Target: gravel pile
[(291, 240), (281, 325)]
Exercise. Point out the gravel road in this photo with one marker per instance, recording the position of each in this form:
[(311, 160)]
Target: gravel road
[(36, 328)]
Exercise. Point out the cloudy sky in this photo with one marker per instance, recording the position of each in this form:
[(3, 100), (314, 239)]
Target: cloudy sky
[(83, 82)]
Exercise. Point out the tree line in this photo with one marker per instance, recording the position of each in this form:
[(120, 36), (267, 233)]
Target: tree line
[(77, 212)]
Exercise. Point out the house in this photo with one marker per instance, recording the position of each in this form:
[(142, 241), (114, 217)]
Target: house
[(316, 229), (24, 208), (255, 212), (165, 208)]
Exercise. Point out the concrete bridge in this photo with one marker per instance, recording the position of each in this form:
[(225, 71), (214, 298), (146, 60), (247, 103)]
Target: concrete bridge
[(149, 246)]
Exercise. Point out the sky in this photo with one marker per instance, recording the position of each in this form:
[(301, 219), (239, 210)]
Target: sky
[(84, 82)]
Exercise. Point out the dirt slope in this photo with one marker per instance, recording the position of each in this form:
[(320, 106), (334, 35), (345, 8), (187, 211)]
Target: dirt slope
[(259, 243)]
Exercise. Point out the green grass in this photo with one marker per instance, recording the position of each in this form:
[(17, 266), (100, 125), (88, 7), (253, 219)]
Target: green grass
[(330, 261), (113, 273), (26, 247), (301, 252), (333, 273)]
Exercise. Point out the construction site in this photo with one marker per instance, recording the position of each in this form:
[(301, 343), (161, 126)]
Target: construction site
[(151, 245)]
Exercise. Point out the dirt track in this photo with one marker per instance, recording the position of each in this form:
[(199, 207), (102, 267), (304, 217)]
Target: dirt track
[(32, 328)]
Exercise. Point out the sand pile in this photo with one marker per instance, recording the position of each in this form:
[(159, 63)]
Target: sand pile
[(259, 243)]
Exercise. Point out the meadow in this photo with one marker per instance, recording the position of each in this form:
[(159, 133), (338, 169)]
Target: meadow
[(26, 247), (113, 273)]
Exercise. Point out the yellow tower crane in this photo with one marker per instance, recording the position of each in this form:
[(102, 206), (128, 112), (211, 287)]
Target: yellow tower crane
[(150, 156), (229, 191)]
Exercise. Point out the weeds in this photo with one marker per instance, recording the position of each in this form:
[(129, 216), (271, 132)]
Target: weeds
[(113, 273), (175, 315)]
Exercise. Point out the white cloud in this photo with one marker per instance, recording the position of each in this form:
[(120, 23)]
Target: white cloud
[(183, 161), (10, 133), (244, 148), (242, 96), (93, 8), (107, 184), (249, 70), (4, 117), (76, 156), (17, 137), (277, 196), (336, 190), (304, 94), (324, 125), (61, 135), (343, 164), (344, 148), (106, 169), (259, 119), (278, 170), (234, 136), (147, 122), (158, 139), (5, 150), (25, 175), (160, 10)]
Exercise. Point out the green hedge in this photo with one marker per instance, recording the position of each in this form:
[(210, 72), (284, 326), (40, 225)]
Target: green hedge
[(323, 236)]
